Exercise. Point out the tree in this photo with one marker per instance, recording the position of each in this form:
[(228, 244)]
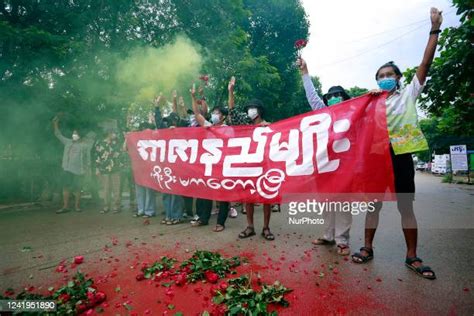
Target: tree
[(448, 94), (356, 91)]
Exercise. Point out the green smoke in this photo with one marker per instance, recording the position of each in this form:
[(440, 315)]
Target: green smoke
[(146, 71)]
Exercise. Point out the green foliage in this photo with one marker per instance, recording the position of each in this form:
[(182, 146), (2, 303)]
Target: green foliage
[(356, 91), (241, 298), (205, 261), (448, 94), (164, 264), (439, 139)]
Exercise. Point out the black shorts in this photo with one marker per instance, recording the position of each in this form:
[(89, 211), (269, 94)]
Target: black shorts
[(404, 173), (71, 181)]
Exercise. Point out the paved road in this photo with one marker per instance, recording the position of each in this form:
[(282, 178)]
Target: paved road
[(445, 214)]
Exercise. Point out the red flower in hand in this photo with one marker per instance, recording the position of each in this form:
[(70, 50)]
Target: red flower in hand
[(300, 44), (204, 78)]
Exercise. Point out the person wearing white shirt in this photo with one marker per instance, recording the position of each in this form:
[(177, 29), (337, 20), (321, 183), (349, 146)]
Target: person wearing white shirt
[(405, 138)]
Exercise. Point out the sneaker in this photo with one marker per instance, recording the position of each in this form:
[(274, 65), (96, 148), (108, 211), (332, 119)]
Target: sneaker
[(233, 213), (197, 223), (195, 218), (78, 209), (138, 215), (63, 210)]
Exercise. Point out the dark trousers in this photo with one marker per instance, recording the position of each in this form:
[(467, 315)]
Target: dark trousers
[(204, 208), (223, 212), (188, 205)]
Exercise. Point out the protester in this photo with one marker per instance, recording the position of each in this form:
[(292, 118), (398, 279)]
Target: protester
[(172, 203), (401, 112), (204, 207), (145, 197), (338, 223), (108, 165), (184, 121), (75, 164), (253, 115), (126, 177)]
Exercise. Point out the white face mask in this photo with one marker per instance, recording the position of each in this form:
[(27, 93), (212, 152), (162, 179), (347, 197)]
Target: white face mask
[(215, 118), (75, 137), (252, 113)]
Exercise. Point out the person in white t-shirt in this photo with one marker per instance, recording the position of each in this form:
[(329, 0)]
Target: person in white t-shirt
[(405, 138)]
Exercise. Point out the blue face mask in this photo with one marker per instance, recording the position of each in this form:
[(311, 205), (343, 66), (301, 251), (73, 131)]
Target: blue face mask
[(387, 84)]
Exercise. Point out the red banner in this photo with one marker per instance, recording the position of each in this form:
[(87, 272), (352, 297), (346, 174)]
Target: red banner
[(340, 149)]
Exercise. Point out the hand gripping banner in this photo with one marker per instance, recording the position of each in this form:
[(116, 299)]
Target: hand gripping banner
[(342, 149)]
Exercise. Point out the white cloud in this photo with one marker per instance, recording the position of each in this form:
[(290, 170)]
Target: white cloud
[(349, 40)]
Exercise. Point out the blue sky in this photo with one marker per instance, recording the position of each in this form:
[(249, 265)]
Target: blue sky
[(349, 40)]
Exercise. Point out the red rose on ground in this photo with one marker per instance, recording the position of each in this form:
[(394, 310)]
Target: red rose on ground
[(223, 286), (91, 298), (180, 279), (78, 259), (100, 297), (211, 277), (9, 293), (81, 308), (140, 277), (214, 289), (90, 312), (187, 269)]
